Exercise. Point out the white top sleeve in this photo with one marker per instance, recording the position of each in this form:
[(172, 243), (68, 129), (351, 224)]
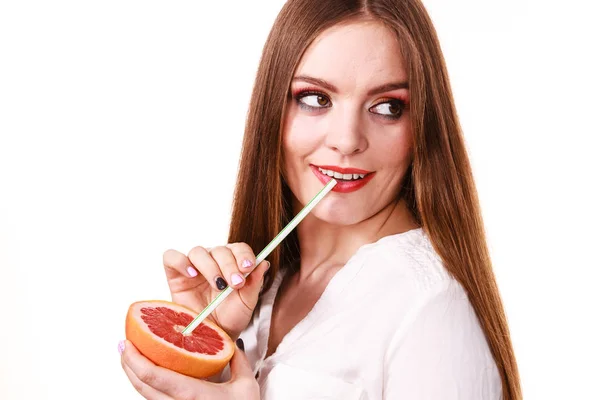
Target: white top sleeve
[(441, 353)]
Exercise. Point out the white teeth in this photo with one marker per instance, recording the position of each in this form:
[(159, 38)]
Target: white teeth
[(326, 172), (338, 175)]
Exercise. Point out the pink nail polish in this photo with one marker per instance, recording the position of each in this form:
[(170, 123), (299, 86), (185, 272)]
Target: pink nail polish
[(246, 264), (192, 271), (121, 346), (236, 279)]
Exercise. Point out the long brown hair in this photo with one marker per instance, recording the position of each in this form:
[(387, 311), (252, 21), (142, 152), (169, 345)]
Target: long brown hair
[(439, 186)]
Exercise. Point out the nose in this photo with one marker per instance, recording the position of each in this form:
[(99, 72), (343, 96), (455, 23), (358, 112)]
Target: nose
[(346, 133)]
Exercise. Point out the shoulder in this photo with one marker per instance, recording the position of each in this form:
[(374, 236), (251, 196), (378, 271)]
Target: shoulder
[(439, 350), (432, 328), (402, 280), (408, 259), (408, 279)]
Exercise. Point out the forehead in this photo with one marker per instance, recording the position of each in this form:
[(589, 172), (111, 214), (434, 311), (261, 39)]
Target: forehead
[(355, 55)]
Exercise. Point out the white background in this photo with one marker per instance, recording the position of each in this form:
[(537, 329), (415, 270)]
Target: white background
[(120, 130)]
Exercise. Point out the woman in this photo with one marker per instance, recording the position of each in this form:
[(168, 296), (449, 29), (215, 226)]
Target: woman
[(385, 291)]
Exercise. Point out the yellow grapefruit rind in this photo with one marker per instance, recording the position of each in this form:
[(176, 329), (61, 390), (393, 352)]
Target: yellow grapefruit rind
[(165, 355)]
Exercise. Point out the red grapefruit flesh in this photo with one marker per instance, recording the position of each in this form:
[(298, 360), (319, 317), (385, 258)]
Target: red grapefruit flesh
[(154, 327)]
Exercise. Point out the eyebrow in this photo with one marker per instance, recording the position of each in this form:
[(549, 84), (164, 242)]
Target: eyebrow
[(387, 87)]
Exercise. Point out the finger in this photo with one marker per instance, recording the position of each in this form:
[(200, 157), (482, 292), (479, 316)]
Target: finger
[(244, 256), (228, 266), (143, 389), (240, 366), (202, 260), (158, 378), (177, 264), (255, 280)]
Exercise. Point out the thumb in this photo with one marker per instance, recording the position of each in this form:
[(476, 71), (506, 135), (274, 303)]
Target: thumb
[(239, 364), (253, 284), (254, 280)]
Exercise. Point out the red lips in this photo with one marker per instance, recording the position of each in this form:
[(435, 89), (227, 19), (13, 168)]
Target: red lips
[(343, 186)]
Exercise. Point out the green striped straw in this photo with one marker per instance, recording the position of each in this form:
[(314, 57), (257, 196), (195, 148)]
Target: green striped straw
[(262, 255)]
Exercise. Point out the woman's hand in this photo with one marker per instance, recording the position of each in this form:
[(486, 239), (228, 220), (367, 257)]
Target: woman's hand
[(194, 281), (157, 383)]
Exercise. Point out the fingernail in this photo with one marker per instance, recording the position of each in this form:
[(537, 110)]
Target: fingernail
[(221, 284), (246, 264), (236, 279), (192, 271), (240, 343), (121, 346), (268, 265)]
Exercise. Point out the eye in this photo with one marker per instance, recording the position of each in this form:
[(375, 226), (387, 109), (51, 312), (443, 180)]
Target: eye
[(390, 109), (312, 100)]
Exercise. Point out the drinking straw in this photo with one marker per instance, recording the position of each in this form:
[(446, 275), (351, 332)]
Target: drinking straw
[(262, 255)]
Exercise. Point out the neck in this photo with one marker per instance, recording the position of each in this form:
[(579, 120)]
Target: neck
[(325, 247)]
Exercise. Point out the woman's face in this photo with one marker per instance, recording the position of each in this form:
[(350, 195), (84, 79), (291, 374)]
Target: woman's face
[(348, 115)]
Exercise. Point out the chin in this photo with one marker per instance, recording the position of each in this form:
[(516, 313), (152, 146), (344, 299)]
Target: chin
[(334, 214)]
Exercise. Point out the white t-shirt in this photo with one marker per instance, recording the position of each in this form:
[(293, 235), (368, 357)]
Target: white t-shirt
[(391, 324)]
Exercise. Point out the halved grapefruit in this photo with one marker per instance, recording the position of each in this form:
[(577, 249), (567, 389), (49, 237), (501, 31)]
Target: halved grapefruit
[(154, 327)]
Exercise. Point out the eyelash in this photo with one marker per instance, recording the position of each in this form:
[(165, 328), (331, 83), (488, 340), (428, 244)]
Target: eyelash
[(309, 92)]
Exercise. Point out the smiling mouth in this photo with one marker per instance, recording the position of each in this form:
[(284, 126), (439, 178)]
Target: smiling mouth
[(340, 176), (349, 179), (343, 174)]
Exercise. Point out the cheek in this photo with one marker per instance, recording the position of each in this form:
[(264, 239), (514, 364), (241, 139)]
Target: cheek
[(300, 137), (394, 150)]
